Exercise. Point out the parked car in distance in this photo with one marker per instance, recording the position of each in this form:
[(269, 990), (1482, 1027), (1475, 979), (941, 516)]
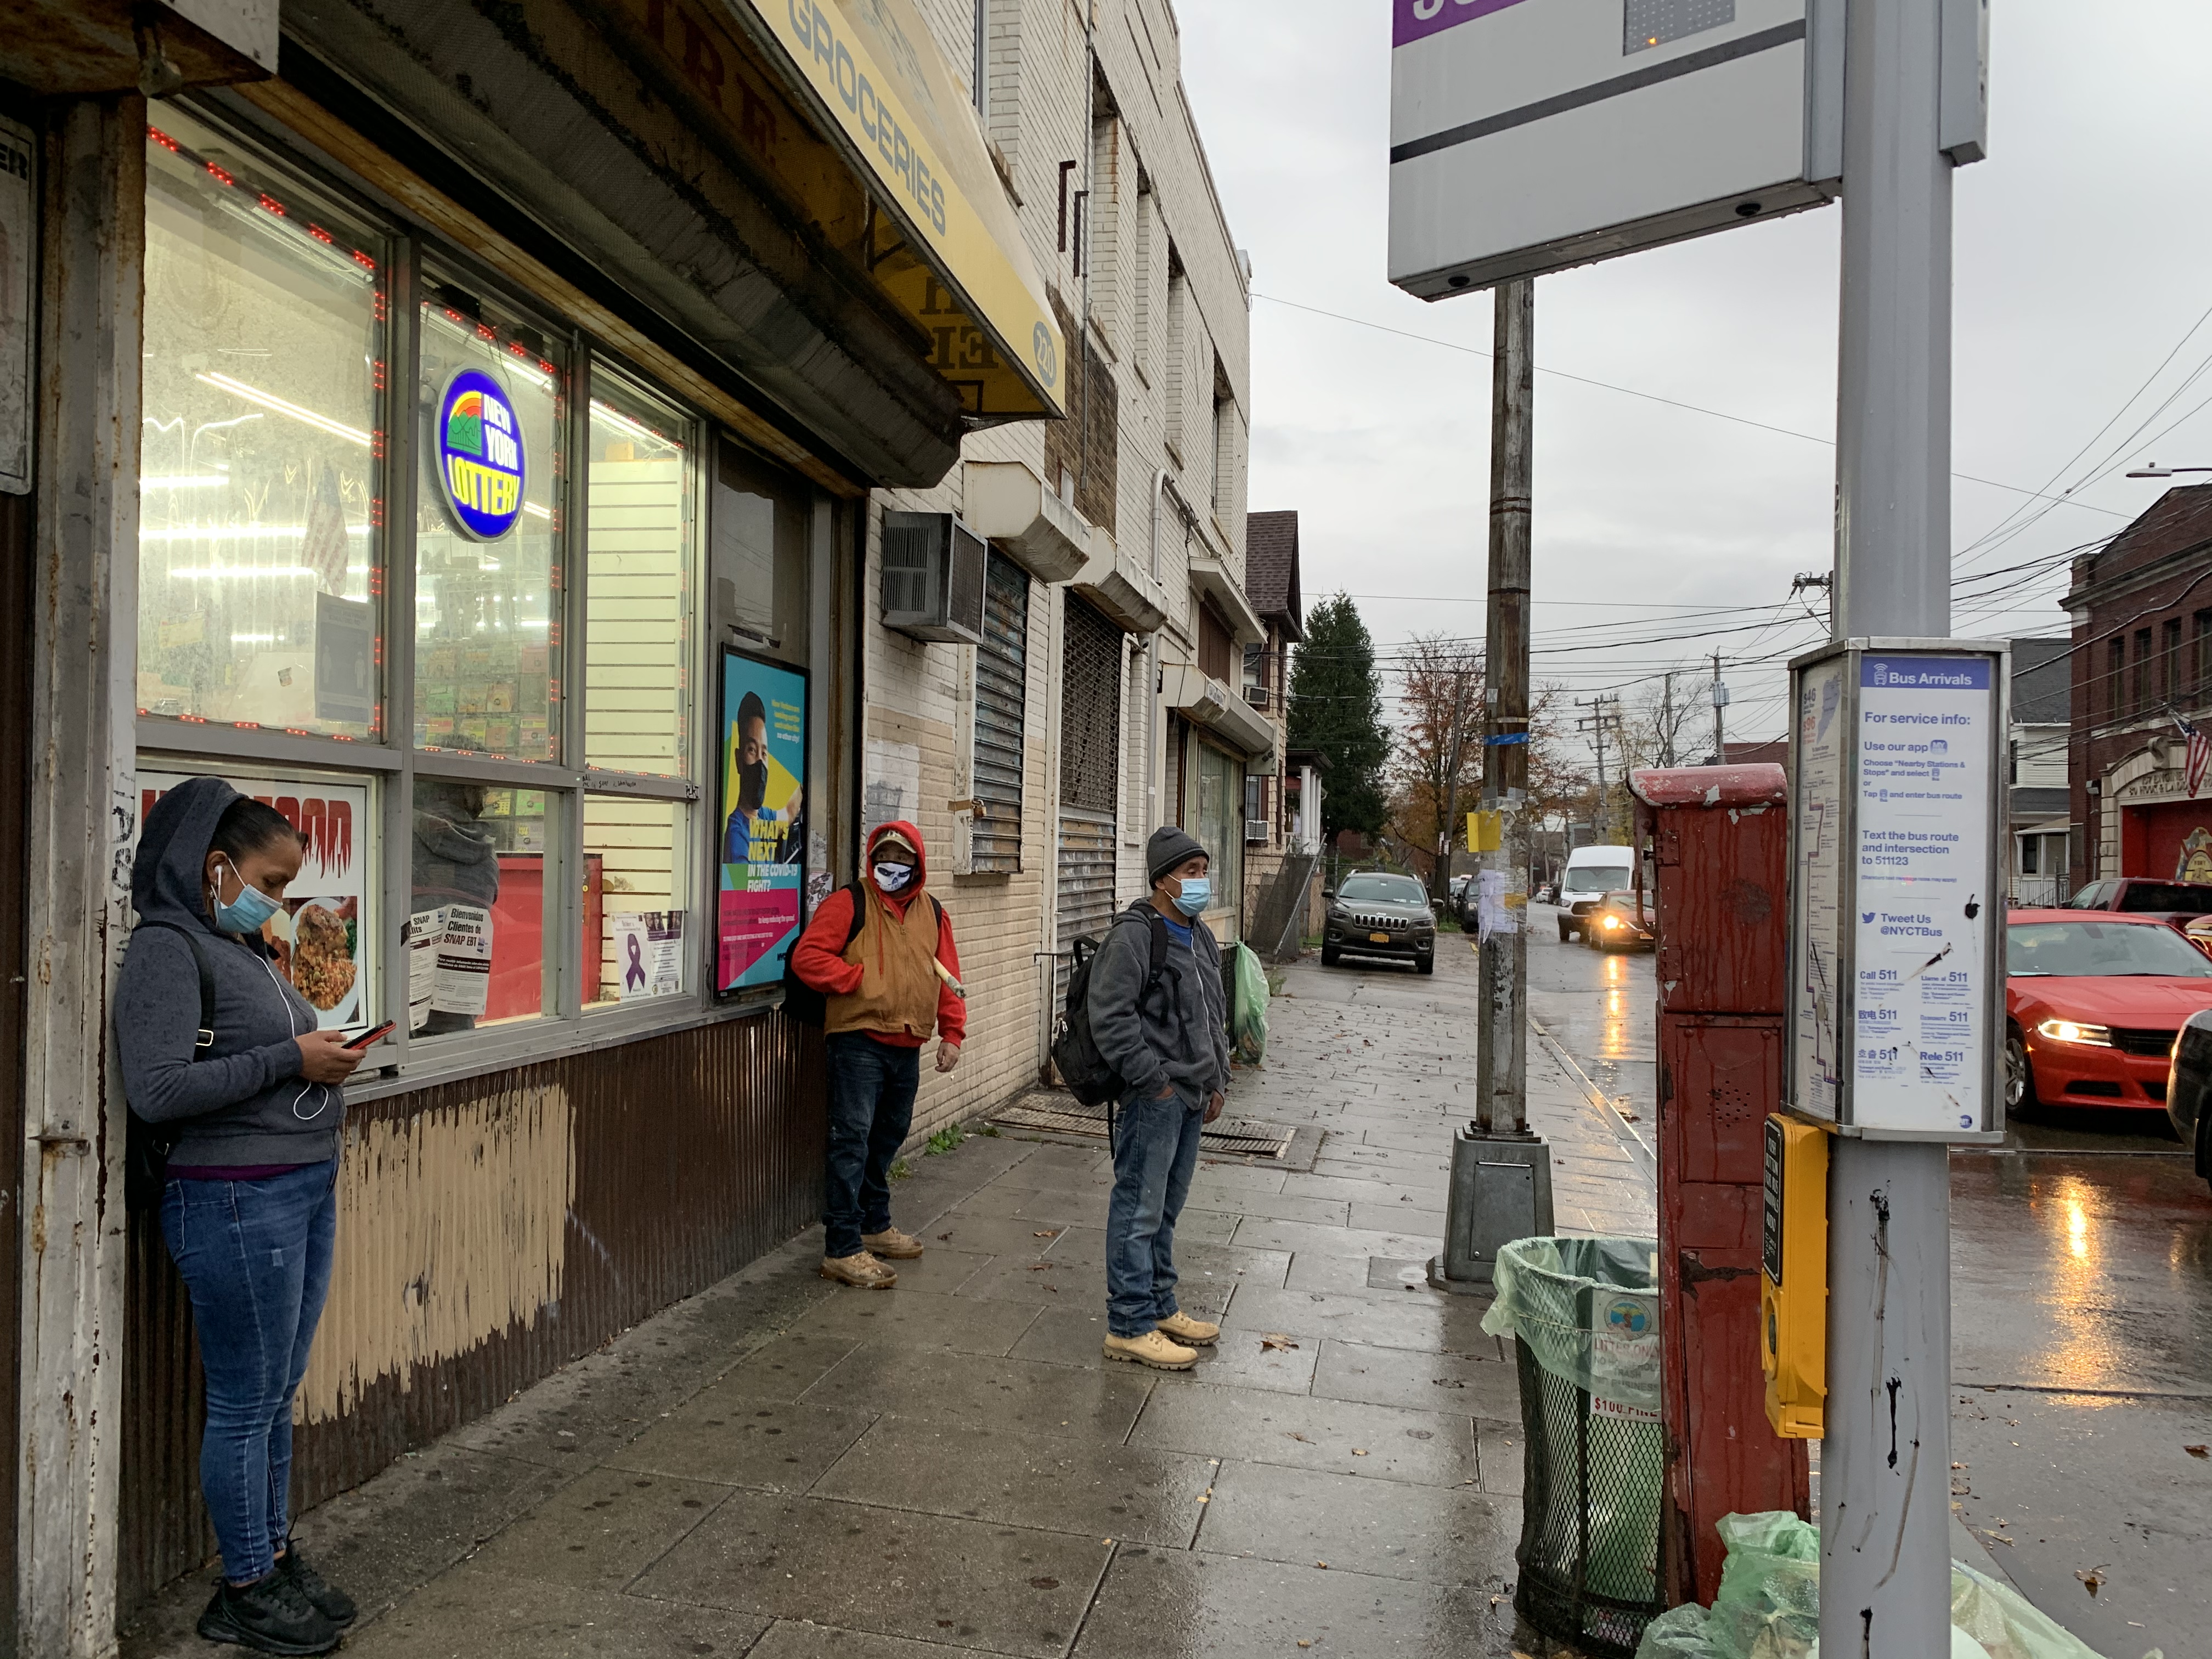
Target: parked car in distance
[(1548, 893), (1613, 924), (2094, 1008), (1591, 873), (1381, 913), (2177, 904)]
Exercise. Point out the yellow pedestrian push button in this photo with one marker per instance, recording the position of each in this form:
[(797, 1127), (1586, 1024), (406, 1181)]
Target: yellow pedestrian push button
[(1793, 1283)]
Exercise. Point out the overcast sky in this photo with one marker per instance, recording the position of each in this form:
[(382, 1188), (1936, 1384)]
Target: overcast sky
[(2084, 257)]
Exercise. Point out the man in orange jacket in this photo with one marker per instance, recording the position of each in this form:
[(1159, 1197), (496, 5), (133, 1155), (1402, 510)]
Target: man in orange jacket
[(891, 976)]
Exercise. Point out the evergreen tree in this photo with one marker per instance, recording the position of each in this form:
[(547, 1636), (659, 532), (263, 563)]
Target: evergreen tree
[(1336, 709)]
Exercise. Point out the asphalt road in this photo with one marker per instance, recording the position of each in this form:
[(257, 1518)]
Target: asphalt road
[(2082, 1333)]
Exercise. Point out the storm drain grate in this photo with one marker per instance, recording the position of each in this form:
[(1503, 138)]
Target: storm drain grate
[(1064, 1114)]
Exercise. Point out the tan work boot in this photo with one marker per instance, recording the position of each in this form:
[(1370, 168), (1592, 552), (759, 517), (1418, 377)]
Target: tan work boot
[(1195, 1333), (1151, 1349), (893, 1244), (859, 1270)]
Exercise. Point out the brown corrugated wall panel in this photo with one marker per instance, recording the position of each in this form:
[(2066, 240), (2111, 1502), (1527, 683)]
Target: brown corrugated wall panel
[(490, 1231)]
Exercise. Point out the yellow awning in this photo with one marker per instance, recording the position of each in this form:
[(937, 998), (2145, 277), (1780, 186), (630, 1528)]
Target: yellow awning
[(953, 259)]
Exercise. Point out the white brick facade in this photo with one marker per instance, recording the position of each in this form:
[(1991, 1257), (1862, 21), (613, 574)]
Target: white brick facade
[(1151, 200)]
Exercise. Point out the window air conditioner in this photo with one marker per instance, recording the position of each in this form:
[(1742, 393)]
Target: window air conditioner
[(934, 567), (1255, 829), (1256, 695)]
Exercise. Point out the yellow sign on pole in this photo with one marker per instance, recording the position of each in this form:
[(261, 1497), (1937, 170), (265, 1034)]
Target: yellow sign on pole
[(1484, 831)]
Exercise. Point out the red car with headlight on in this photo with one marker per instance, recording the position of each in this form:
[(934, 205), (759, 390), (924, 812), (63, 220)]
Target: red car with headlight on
[(2093, 1002)]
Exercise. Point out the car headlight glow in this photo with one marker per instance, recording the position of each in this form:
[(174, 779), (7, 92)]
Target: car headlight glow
[(1612, 921), (2067, 1031)]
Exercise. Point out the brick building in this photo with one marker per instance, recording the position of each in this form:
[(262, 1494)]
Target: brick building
[(1102, 694), (2142, 610)]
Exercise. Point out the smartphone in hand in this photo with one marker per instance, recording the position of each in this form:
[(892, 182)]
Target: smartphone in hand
[(371, 1034)]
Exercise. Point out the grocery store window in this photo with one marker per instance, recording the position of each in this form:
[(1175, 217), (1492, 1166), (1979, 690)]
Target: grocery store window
[(546, 746), (639, 548), (640, 934), (489, 522), (259, 493)]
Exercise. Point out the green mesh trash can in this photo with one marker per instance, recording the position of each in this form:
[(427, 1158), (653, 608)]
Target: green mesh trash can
[(1584, 1314)]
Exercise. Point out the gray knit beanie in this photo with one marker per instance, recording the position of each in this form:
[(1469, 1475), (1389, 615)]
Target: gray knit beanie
[(1169, 846)]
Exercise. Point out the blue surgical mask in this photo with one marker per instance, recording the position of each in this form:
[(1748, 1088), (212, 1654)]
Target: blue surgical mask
[(893, 877), (1197, 893), (245, 913)]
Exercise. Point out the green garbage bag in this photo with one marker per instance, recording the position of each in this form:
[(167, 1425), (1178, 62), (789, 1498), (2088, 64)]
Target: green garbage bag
[(1769, 1605), (1248, 1012), (1587, 1309)]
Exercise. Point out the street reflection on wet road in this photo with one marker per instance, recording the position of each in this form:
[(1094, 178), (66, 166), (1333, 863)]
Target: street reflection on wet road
[(1598, 1005)]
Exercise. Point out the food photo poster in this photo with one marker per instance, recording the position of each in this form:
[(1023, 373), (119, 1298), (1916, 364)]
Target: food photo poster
[(321, 940)]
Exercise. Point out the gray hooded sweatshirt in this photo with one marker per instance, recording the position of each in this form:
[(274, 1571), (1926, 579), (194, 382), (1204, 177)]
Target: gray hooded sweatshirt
[(243, 1102), (1178, 1034)]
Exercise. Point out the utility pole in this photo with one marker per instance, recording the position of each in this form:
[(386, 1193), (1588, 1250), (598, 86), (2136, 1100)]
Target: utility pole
[(1667, 722), (1595, 722), (1441, 886), (1720, 725), (1886, 1462), (1502, 1070), (1501, 1175)]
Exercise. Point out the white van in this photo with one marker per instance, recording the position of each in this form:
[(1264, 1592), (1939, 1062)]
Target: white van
[(1592, 873)]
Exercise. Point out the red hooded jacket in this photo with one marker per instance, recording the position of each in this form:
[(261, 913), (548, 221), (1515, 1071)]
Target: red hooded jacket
[(818, 958)]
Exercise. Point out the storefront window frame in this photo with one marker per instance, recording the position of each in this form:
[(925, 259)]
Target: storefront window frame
[(388, 764)]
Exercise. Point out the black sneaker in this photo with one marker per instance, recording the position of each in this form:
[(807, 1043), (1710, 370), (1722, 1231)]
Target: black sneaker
[(333, 1603), (269, 1615)]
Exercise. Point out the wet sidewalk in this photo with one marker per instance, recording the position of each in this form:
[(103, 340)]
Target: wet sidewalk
[(784, 1469)]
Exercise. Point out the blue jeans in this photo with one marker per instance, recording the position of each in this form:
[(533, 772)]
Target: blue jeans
[(871, 1087), (1155, 1150), (256, 1256)]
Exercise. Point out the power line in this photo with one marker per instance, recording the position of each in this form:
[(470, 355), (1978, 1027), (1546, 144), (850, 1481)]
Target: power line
[(1653, 397)]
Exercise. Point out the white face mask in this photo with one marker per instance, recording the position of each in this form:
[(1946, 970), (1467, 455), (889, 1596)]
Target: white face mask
[(893, 877)]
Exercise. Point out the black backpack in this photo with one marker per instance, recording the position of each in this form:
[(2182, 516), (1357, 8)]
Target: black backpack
[(801, 1001), (147, 1145), (1075, 1054)]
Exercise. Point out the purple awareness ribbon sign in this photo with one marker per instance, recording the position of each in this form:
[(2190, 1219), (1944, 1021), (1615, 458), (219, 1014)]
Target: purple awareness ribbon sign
[(1417, 19)]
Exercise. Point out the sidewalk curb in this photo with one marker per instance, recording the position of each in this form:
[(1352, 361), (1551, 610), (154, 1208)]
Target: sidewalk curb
[(1597, 1097)]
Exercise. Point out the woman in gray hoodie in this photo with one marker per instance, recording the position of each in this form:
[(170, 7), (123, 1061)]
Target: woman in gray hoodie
[(249, 1205)]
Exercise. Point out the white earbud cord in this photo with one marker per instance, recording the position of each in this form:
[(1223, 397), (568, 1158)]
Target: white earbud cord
[(307, 1117)]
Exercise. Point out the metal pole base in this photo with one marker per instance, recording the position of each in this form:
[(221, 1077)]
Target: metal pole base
[(1501, 1190)]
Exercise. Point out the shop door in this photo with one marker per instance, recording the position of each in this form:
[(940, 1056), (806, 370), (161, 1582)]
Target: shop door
[(1089, 773)]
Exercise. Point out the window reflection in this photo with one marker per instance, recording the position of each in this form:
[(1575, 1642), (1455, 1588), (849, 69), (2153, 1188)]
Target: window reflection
[(259, 499), (476, 936), (487, 649)]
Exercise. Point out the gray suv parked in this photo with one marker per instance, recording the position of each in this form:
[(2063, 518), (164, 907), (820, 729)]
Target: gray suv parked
[(1380, 913)]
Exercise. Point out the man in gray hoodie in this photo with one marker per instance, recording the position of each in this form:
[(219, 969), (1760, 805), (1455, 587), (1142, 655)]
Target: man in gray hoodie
[(1168, 1038)]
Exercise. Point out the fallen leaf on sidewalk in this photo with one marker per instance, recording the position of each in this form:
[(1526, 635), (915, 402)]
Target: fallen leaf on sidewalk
[(1273, 1340), (1049, 1232), (1295, 1434), (1040, 1267), (2198, 1451), (941, 1238), (1358, 1451), (2093, 1581)]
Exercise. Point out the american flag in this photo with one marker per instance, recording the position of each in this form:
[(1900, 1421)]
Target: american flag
[(2200, 751)]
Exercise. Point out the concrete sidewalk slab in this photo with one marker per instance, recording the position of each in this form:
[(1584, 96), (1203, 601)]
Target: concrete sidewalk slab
[(782, 1469)]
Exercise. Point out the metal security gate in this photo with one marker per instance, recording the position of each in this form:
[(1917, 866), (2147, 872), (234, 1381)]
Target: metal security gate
[(1001, 680), (1089, 755)]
